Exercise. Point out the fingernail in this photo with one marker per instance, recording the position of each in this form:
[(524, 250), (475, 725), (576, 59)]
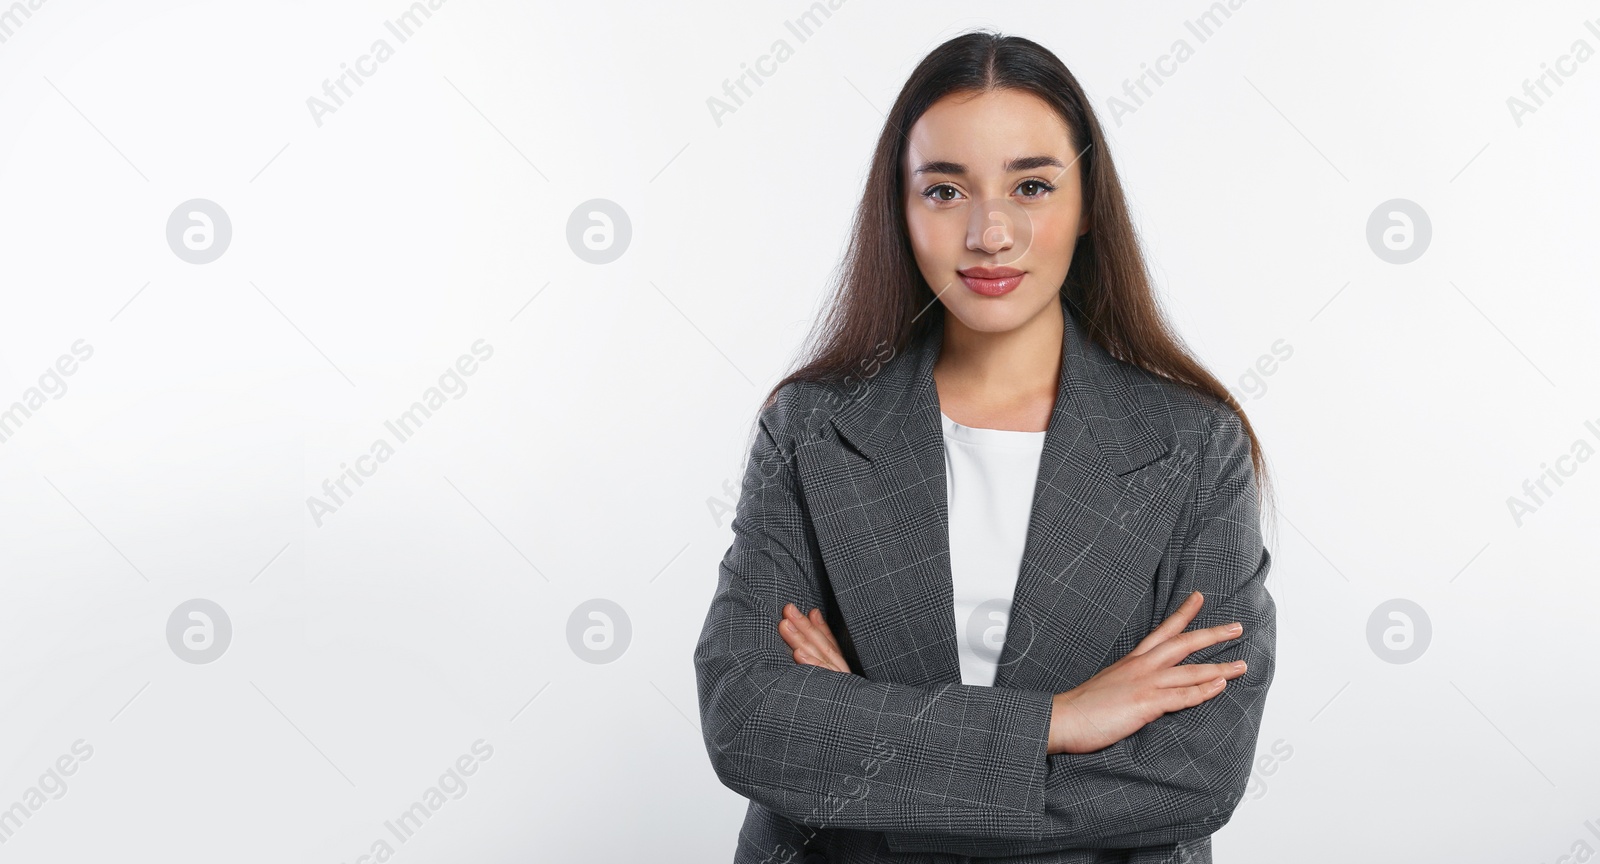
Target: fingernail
[(1235, 627), (1238, 666)]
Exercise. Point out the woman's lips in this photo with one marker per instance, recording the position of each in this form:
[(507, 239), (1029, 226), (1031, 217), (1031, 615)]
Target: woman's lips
[(992, 287)]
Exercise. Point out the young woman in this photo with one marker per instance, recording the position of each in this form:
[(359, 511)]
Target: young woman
[(978, 522)]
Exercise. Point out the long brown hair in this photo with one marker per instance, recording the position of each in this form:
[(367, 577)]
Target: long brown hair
[(880, 293)]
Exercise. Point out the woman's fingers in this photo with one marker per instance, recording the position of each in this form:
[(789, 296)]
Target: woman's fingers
[(1191, 674), (1168, 643), (822, 625), (1146, 683), (1173, 625), (797, 639), (835, 653), (823, 641), (1173, 650), (1178, 698), (810, 639)]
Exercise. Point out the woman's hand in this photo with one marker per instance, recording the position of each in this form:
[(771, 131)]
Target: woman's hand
[(811, 640), (1121, 698)]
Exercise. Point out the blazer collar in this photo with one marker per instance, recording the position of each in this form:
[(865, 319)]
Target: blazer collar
[(1104, 504), (902, 400)]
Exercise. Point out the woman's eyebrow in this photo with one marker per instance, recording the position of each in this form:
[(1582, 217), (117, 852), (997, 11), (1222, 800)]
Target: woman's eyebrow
[(1021, 163)]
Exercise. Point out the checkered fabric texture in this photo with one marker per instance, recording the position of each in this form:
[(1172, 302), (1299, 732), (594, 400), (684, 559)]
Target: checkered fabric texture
[(1145, 493)]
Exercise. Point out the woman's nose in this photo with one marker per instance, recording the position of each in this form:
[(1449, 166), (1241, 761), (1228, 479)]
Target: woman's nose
[(991, 228)]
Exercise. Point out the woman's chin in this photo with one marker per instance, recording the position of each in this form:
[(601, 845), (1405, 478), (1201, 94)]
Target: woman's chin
[(996, 314)]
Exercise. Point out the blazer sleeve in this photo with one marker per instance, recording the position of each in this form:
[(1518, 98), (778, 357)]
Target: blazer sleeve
[(830, 749), (1180, 776)]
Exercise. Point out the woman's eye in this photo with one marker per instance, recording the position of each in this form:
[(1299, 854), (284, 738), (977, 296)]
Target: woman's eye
[(1045, 188), (1035, 189)]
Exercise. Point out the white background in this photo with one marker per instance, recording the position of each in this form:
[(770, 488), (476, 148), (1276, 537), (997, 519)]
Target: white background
[(430, 210)]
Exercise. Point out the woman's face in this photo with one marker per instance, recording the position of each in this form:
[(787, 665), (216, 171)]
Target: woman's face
[(991, 184)]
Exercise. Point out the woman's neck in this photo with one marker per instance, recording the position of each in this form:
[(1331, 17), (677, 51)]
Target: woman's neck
[(1001, 380)]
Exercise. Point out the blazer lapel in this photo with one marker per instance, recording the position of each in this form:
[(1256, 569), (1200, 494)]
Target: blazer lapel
[(1104, 505), (877, 504)]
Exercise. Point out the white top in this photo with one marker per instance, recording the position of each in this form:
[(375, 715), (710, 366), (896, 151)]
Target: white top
[(990, 476)]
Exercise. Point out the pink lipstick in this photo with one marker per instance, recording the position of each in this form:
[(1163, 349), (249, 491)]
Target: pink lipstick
[(991, 281)]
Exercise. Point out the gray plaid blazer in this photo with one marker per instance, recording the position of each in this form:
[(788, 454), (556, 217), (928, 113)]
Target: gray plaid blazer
[(1145, 493)]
